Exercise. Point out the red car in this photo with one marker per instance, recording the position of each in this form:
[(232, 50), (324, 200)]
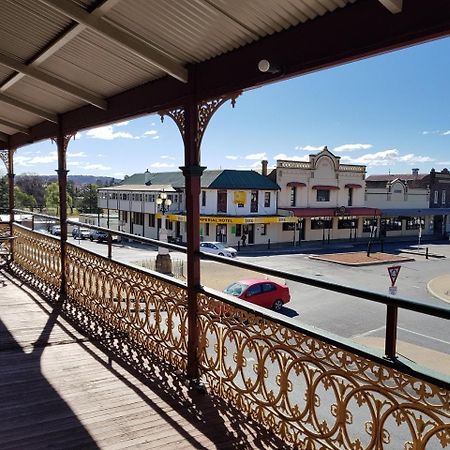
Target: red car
[(261, 292)]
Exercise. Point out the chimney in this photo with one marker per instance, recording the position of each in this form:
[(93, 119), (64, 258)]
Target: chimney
[(146, 176), (264, 167), (415, 172)]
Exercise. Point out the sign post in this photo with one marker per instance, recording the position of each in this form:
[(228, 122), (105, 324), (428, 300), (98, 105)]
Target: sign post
[(390, 343), (393, 275)]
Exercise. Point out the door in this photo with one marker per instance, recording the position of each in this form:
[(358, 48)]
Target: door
[(249, 230), (221, 233)]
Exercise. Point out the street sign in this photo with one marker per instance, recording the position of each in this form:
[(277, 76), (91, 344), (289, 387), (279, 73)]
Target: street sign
[(393, 273), (392, 290)]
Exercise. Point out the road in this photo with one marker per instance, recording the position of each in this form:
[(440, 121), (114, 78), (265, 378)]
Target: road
[(421, 338)]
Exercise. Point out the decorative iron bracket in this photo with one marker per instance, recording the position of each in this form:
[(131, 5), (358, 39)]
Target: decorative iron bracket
[(4, 156), (67, 138), (205, 110)]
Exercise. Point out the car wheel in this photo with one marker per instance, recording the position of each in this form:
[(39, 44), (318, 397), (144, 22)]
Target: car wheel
[(220, 254), (91, 238), (277, 305)]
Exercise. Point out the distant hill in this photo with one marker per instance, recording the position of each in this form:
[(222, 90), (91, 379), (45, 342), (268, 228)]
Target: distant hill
[(79, 180)]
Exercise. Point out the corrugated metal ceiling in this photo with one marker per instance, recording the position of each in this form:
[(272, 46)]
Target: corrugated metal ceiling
[(94, 66)]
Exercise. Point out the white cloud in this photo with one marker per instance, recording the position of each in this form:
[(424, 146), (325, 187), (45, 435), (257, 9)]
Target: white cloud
[(78, 135), (432, 132), (109, 134), (95, 167), (232, 157), (291, 158), (310, 148), (76, 155), (160, 165), (444, 163), (118, 175), (150, 133), (167, 157), (29, 161), (256, 156), (352, 147), (122, 124), (386, 158), (155, 137), (446, 133)]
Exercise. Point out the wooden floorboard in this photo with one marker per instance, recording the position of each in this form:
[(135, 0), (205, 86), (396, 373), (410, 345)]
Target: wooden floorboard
[(59, 390)]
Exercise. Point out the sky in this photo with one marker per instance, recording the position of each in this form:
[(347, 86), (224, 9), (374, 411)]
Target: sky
[(390, 112)]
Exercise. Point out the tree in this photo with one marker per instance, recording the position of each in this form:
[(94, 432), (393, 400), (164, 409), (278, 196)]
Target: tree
[(33, 185), (4, 194), (52, 197), (88, 203), (23, 200)]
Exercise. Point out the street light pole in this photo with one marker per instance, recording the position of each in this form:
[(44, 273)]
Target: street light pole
[(163, 261)]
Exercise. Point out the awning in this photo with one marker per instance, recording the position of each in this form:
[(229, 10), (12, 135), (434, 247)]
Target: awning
[(415, 212), (353, 186), (331, 212), (295, 184), (324, 187), (243, 220)]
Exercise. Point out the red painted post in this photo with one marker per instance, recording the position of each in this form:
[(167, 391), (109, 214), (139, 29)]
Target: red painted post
[(109, 245)]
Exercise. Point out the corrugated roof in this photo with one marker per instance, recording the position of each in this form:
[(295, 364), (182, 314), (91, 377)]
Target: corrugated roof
[(211, 179), (392, 177)]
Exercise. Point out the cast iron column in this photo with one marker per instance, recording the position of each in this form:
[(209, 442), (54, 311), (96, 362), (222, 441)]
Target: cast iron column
[(11, 195), (62, 142), (192, 173)]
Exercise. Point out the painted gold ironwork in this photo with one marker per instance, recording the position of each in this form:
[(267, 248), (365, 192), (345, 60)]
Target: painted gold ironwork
[(178, 116), (313, 394), (310, 393), (4, 156), (147, 308)]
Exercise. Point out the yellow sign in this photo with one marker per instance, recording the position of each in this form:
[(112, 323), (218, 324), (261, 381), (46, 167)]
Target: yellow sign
[(240, 197), (231, 220)]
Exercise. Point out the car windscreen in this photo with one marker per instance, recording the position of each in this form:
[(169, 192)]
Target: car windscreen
[(235, 289)]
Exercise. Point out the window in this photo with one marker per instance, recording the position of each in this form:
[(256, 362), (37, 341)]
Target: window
[(238, 229), (222, 201), (263, 229), (320, 224), (345, 224), (203, 198), (443, 197), (123, 215), (288, 226), (206, 229), (323, 195), (293, 199), (169, 224), (266, 199), (253, 290), (138, 218), (414, 223), (350, 196), (367, 223), (392, 223), (436, 197), (268, 287), (254, 201), (151, 220)]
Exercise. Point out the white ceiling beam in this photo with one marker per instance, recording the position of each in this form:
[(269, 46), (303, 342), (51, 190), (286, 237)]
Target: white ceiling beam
[(14, 126), (143, 49), (62, 85), (394, 6), (66, 37), (28, 108)]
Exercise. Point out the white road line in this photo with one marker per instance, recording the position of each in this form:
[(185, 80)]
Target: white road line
[(368, 332), (424, 335)]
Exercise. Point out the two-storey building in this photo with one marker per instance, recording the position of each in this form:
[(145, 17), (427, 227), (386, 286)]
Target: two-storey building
[(232, 203), (326, 196)]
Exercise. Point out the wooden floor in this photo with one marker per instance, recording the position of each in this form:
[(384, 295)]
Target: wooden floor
[(58, 390)]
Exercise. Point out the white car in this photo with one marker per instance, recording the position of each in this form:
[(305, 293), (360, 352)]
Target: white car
[(218, 249)]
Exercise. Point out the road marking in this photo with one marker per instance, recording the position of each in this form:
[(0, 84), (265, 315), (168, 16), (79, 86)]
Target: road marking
[(424, 335), (369, 332)]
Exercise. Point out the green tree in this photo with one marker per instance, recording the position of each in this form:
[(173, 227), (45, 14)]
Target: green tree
[(52, 197), (88, 203), (4, 194), (32, 184), (23, 200)]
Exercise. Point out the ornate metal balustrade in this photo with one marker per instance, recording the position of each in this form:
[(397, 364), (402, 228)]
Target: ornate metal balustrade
[(312, 393)]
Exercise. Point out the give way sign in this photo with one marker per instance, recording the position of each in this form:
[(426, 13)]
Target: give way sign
[(393, 273)]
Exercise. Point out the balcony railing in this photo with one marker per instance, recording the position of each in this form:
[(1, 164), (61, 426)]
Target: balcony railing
[(309, 388)]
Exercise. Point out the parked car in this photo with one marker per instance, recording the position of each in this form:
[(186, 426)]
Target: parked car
[(97, 235), (266, 293), (81, 233), (55, 230), (218, 249)]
